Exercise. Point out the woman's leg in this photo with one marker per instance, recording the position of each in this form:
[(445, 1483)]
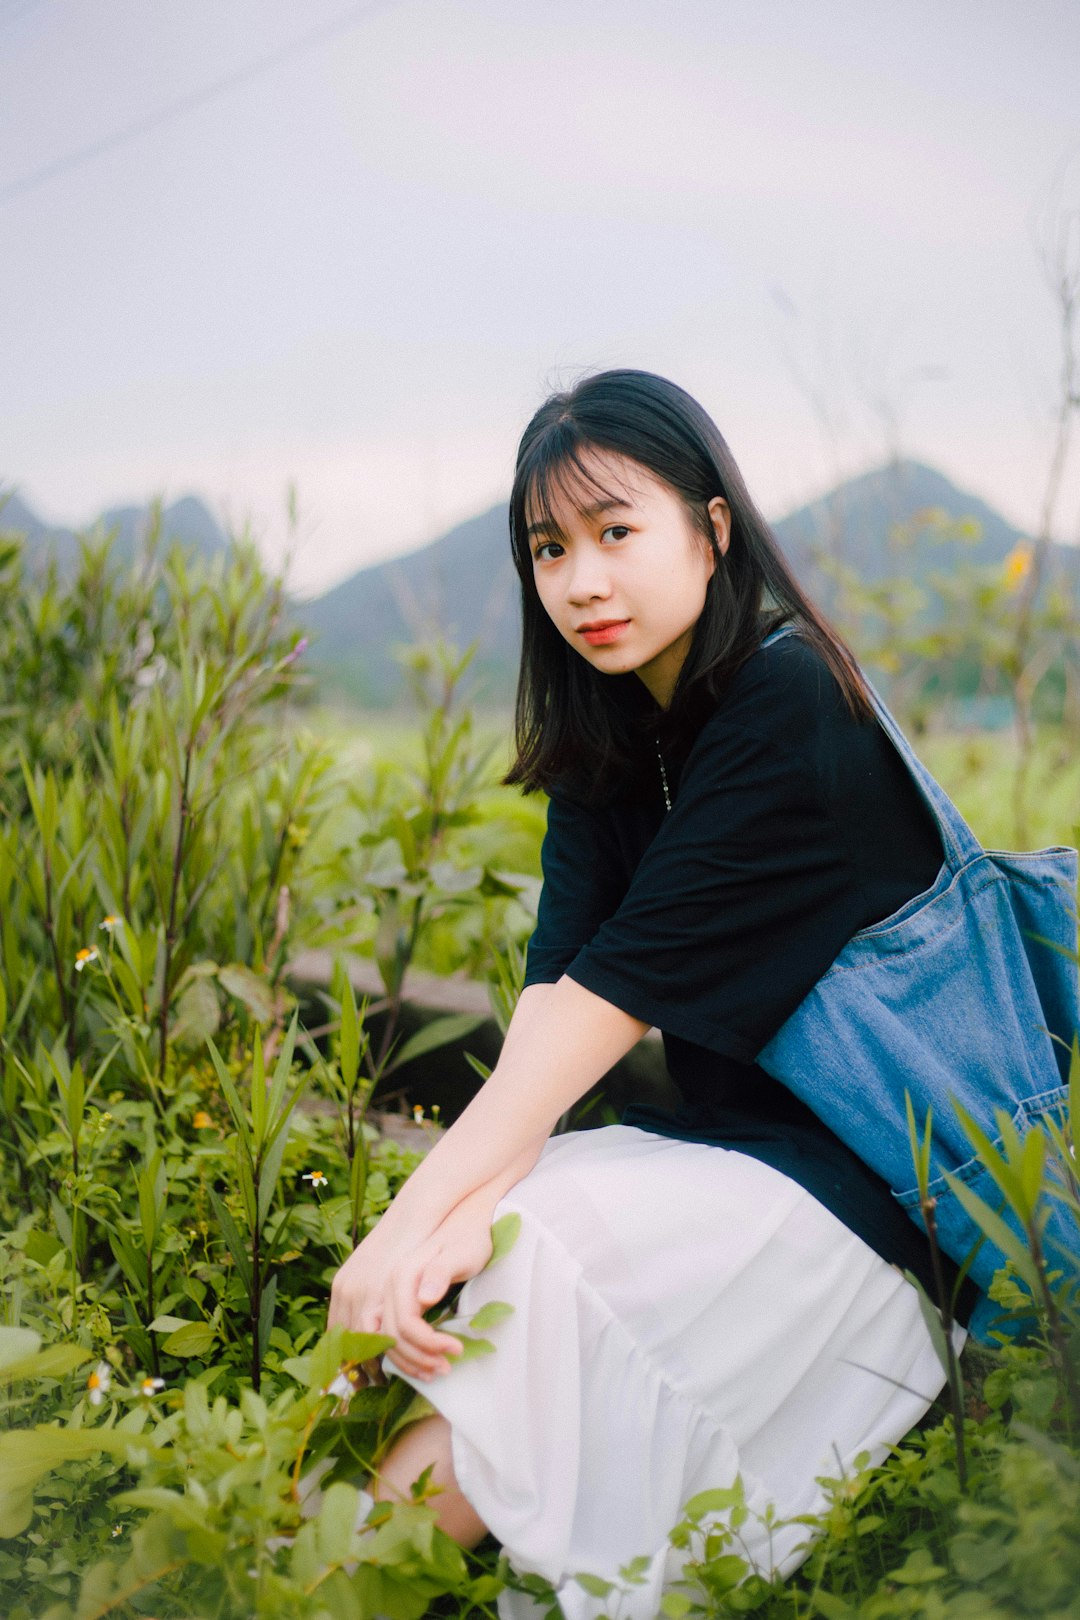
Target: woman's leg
[(422, 1445)]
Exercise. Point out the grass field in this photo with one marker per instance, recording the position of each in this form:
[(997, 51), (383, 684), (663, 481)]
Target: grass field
[(976, 769)]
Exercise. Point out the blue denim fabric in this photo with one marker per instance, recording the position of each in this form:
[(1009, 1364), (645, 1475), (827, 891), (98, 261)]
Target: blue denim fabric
[(950, 997)]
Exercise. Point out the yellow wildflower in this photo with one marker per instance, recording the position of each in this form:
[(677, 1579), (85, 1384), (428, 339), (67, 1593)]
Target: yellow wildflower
[(201, 1120), (1017, 565)]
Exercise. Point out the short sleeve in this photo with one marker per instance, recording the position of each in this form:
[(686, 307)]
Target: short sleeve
[(741, 901), (582, 887)]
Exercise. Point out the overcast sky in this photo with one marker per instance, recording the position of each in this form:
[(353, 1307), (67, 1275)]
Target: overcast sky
[(363, 263)]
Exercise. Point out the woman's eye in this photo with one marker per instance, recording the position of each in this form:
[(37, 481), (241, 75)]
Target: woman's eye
[(546, 545), (613, 527)]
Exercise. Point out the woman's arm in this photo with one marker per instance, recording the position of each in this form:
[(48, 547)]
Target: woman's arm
[(562, 1039)]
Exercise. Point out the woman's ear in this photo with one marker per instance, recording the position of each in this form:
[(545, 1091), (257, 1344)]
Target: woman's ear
[(720, 513)]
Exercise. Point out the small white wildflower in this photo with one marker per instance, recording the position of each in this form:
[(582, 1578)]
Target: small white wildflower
[(344, 1385), (316, 1177), (99, 1383), (151, 1386), (111, 924), (89, 953)]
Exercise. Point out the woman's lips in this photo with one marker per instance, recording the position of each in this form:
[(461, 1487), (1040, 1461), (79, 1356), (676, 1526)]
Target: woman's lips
[(605, 632)]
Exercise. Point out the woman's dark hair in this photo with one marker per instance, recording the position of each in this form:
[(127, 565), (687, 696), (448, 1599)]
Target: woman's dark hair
[(574, 726)]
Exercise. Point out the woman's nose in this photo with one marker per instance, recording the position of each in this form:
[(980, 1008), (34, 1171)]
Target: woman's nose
[(588, 578)]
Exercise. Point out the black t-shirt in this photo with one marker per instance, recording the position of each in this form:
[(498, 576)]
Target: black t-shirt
[(792, 826)]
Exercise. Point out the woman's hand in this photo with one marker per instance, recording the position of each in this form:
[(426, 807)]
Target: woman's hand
[(458, 1250), (388, 1282), (358, 1291)]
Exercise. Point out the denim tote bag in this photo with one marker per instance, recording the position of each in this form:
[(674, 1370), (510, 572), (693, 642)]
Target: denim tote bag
[(954, 996)]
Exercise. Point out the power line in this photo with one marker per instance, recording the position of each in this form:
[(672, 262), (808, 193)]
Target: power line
[(195, 98)]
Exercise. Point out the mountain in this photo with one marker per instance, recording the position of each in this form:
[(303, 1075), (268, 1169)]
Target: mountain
[(188, 520), (464, 584), (891, 520)]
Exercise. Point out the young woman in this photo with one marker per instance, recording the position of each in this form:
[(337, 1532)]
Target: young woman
[(713, 1292)]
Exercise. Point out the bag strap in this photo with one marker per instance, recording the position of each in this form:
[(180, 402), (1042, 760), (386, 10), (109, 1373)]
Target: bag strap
[(958, 841)]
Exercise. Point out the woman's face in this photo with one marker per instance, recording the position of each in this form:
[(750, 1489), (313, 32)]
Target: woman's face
[(624, 581)]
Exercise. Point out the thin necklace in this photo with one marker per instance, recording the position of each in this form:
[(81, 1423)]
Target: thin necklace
[(663, 775)]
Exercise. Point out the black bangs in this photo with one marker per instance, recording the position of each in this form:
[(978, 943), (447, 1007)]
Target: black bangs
[(558, 468)]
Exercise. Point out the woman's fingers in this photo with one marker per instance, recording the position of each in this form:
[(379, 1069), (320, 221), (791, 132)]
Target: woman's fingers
[(435, 1280), (402, 1355), (419, 1348), (413, 1331)]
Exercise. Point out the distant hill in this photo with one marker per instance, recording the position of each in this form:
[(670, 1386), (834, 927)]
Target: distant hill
[(188, 520), (464, 583)]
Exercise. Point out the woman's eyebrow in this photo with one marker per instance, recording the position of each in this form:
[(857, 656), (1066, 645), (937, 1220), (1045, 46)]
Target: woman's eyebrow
[(549, 526)]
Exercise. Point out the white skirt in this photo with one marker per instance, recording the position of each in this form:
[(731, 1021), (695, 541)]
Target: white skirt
[(682, 1314)]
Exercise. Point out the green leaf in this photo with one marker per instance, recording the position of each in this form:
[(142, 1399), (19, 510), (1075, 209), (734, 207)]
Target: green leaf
[(16, 1343), (1003, 1173), (41, 1246), (156, 1498), (233, 1241), (21, 1355), (349, 1040), (471, 1348), (1032, 1164), (269, 1171), (266, 1313), (997, 1230), (336, 1346), (833, 1607), (198, 1015), (504, 1234), (719, 1500), (282, 1070), (595, 1585), (258, 1094), (490, 1314), (232, 1096), (193, 1339), (55, 1361), (148, 1186), (358, 1175), (493, 886), (477, 1065), (919, 1569), (249, 989), (440, 1032), (337, 1522), (131, 1262), (16, 1508), (932, 1318)]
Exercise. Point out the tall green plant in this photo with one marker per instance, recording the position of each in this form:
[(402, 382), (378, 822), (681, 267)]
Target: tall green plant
[(262, 1132)]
